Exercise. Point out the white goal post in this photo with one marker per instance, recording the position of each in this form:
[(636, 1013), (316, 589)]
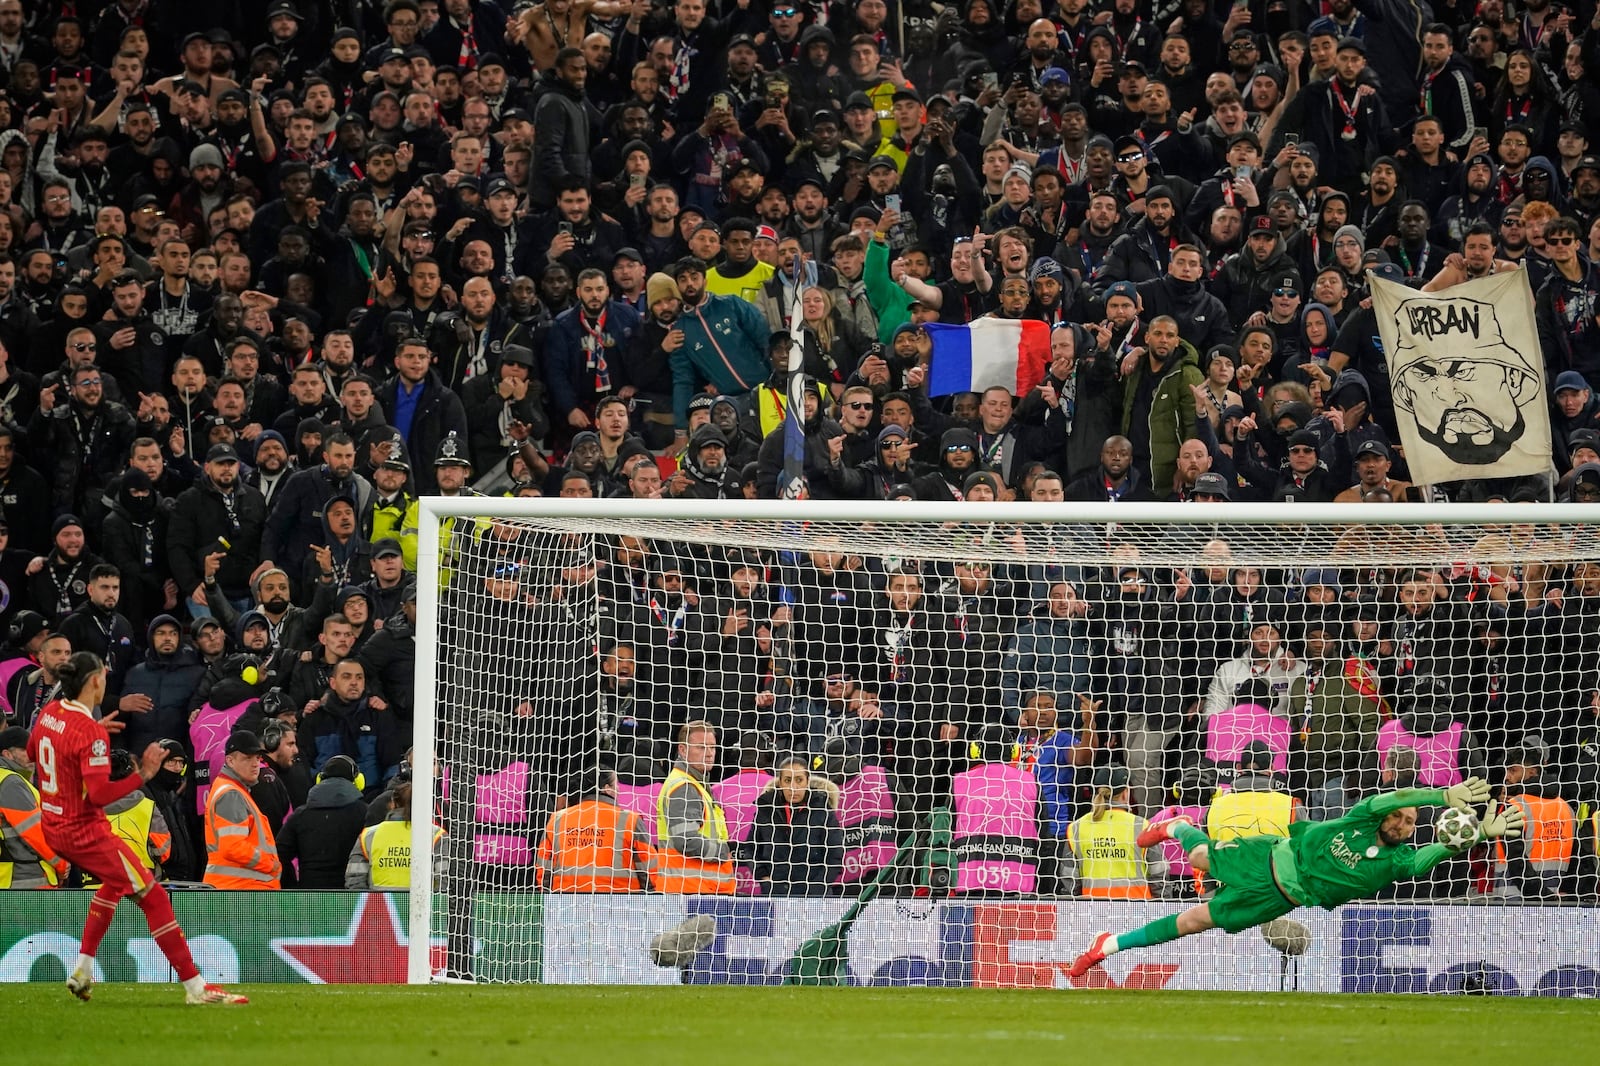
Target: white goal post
[(1229, 586)]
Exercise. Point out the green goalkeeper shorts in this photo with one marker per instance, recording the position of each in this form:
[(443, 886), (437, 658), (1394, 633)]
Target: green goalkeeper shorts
[(1249, 896)]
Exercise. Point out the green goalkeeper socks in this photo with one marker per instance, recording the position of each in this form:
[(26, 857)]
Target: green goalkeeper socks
[(1188, 836), (1157, 932)]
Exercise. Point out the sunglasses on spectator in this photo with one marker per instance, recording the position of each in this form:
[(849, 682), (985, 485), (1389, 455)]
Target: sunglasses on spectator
[(959, 448), (82, 346), (1301, 448), (784, 12), (84, 383), (1284, 292), (860, 405), (1511, 221), (1561, 242), (1131, 157)]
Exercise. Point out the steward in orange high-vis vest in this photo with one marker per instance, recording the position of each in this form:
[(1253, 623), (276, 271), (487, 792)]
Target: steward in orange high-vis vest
[(240, 851), (596, 846)]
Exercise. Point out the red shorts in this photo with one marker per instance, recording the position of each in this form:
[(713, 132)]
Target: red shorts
[(109, 860)]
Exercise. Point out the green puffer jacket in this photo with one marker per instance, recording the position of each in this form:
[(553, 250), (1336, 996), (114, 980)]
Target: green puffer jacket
[(1171, 412)]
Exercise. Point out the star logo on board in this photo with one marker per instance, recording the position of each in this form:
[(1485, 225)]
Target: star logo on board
[(371, 952)]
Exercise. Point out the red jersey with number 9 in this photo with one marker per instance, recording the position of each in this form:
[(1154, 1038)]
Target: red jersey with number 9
[(71, 753)]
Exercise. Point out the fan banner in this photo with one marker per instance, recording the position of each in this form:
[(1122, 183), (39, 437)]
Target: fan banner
[(1467, 377)]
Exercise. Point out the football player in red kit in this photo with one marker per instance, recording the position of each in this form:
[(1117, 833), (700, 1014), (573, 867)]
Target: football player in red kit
[(72, 753)]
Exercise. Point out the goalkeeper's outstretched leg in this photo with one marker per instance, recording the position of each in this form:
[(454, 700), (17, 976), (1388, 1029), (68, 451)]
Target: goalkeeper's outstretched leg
[(1197, 919)]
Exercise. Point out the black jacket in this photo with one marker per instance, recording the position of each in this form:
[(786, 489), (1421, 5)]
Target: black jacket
[(199, 518), (321, 834), (438, 414), (795, 850), (85, 449), (296, 519)]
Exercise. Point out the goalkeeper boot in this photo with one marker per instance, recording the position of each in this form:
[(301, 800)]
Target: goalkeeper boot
[(1091, 958), (81, 984), (214, 995), (1162, 830)]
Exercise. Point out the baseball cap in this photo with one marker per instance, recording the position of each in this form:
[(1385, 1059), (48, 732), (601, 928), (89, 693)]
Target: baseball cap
[(1373, 447), (1388, 272), (857, 101), (1261, 224), (1052, 75), (1123, 288), (222, 453), (626, 253), (824, 114), (1288, 283), (517, 355), (741, 38), (1352, 44), (906, 93), (1570, 379), (243, 742), (883, 161), (1588, 162), (498, 185), (1212, 485), (766, 233), (386, 548)]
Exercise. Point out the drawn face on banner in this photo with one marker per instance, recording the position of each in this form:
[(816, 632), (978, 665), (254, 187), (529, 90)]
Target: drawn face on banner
[(1458, 377)]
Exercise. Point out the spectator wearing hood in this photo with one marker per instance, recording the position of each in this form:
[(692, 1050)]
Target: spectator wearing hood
[(1584, 486), (156, 692), (958, 457), (297, 519), (878, 477), (252, 646), (316, 839), (704, 474), (743, 447), (134, 538), (513, 393), (342, 557), (824, 446)]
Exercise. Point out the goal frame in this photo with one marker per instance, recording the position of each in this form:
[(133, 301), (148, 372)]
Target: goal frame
[(435, 509)]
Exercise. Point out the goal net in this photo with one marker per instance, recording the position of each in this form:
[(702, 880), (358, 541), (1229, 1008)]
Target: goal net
[(913, 743)]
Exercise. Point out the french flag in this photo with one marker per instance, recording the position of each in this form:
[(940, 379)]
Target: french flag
[(981, 354)]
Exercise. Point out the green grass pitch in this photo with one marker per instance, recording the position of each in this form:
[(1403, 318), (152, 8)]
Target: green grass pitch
[(814, 1026)]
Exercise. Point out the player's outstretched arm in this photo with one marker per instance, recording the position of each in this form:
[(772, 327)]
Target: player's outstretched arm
[(1389, 802)]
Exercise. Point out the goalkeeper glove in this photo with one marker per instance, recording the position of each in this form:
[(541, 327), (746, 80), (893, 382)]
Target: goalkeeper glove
[(1472, 792), (1503, 822)]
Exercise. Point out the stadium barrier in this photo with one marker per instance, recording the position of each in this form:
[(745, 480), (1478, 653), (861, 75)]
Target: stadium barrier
[(361, 938)]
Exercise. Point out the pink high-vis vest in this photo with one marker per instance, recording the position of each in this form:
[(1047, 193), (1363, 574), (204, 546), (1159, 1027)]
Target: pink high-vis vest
[(209, 731), (996, 837), (736, 796), (1438, 756), (1172, 851), (8, 670), (505, 830), (866, 814), (641, 800), (1227, 733)]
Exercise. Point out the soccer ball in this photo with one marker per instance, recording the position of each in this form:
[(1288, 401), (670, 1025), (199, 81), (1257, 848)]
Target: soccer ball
[(1456, 829)]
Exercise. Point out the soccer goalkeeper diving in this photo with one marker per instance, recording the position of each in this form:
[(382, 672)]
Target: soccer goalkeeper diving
[(1319, 864)]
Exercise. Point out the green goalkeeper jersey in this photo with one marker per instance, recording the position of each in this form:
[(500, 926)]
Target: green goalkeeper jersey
[(1324, 864)]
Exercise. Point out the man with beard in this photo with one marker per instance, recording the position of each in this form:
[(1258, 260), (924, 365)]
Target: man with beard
[(722, 341), (660, 240), (1245, 283), (1474, 203), (705, 467), (97, 626), (205, 191), (1145, 249), (59, 585), (1568, 334), (271, 469), (1343, 118), (1086, 256), (811, 223), (296, 522), (86, 436), (1469, 404), (1202, 318), (469, 343), (215, 510), (582, 343), (1156, 417)]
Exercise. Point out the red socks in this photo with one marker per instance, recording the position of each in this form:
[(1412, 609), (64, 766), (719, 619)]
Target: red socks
[(157, 907), (102, 908)]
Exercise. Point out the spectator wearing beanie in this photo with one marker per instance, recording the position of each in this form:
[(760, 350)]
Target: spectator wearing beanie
[(316, 839)]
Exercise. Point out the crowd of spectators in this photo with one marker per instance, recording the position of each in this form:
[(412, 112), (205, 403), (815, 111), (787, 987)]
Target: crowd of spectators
[(271, 272)]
